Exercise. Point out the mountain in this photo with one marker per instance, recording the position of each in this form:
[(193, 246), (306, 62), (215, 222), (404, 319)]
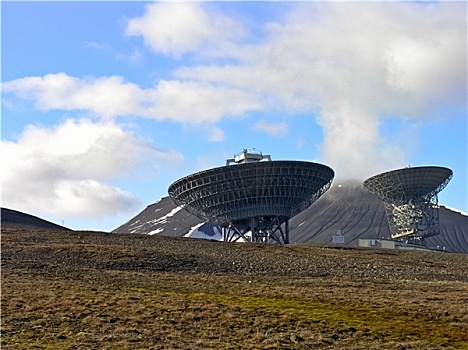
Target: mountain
[(346, 206), (14, 218)]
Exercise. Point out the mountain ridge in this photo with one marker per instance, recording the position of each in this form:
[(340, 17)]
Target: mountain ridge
[(15, 218), (346, 206)]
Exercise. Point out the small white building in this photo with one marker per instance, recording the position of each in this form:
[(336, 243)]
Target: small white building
[(338, 238), (389, 244)]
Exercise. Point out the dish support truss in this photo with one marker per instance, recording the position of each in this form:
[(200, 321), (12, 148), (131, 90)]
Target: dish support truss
[(271, 229), (414, 221), (410, 200)]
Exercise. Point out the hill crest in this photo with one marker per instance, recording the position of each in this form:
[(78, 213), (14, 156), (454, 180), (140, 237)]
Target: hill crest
[(14, 218)]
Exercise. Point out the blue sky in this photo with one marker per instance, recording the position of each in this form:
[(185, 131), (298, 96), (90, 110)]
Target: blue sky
[(105, 104)]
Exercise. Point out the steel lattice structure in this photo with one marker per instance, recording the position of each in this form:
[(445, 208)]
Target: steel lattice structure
[(253, 200), (410, 199)]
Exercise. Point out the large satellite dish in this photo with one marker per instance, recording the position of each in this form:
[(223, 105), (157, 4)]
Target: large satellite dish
[(410, 199), (252, 199)]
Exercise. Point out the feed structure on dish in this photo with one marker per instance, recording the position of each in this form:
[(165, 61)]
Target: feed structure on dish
[(410, 199), (253, 199)]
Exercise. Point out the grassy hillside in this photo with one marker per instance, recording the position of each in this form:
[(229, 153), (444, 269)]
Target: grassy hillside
[(90, 290)]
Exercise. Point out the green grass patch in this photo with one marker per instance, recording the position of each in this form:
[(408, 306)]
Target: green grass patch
[(362, 318)]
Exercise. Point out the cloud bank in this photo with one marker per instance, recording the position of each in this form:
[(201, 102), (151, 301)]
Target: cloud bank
[(66, 169), (352, 64), (111, 97), (272, 129), (176, 29)]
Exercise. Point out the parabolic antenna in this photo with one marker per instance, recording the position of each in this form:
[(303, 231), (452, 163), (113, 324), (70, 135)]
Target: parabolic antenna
[(410, 198), (252, 198)]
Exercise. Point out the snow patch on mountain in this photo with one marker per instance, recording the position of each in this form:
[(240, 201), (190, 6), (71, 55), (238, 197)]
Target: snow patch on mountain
[(134, 223), (164, 219), (134, 229), (154, 232), (205, 230)]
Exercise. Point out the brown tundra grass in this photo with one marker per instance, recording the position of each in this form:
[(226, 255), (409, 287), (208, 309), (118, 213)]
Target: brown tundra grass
[(89, 290)]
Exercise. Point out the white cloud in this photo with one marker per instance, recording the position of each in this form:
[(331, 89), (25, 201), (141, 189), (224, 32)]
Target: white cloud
[(65, 170), (272, 129), (135, 59), (216, 134), (110, 97), (194, 102), (301, 142), (350, 64), (97, 46), (179, 28)]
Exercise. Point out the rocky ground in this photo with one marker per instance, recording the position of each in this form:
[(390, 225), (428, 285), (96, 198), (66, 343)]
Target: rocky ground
[(86, 290), (59, 251)]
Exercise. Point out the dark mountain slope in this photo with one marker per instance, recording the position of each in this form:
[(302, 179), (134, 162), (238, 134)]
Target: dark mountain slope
[(347, 206), (453, 232), (14, 218)]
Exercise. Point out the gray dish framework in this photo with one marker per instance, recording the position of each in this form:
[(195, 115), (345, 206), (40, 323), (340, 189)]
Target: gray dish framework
[(410, 199), (253, 199)]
